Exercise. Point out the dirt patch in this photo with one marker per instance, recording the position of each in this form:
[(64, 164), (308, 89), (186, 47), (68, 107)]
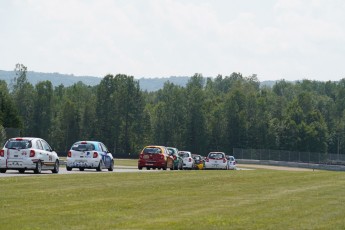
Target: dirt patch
[(273, 167)]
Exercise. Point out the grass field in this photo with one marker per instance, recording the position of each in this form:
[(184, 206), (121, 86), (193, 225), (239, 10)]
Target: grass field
[(253, 199)]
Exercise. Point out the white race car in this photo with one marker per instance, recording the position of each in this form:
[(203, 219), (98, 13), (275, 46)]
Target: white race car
[(188, 161), (216, 160), (90, 155), (231, 162), (28, 153)]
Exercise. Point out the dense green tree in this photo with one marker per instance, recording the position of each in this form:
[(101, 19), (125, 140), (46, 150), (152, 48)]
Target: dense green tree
[(8, 113), (43, 108), (23, 94)]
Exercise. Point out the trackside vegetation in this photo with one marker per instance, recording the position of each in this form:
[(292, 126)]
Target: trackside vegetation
[(253, 199), (207, 114)]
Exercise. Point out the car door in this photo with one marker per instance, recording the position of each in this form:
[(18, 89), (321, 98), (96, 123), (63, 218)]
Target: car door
[(47, 153), (106, 159)]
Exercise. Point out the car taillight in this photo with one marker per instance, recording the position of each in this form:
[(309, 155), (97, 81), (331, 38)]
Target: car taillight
[(175, 157), (224, 160), (207, 159), (69, 154), (190, 159), (83, 142), (19, 139), (2, 153), (95, 154), (32, 153)]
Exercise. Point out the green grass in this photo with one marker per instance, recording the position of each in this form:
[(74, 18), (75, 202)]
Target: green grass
[(126, 162), (256, 199)]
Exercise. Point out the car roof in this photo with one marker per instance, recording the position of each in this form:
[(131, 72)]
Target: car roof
[(25, 138), (154, 146), (88, 142)]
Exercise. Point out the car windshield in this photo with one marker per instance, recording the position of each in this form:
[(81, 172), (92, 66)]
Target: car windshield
[(183, 155), (171, 151), (215, 155), (152, 150), (83, 147), (18, 144)]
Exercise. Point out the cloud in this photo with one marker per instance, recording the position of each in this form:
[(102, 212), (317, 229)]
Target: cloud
[(153, 38)]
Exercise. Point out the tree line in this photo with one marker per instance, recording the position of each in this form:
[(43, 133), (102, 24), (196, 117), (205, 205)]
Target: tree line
[(208, 114)]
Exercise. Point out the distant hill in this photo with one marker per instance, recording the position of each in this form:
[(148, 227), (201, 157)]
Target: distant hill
[(55, 78), (148, 84)]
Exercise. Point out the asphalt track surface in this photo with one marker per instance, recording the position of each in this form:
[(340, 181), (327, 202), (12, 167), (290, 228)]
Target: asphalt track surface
[(63, 171)]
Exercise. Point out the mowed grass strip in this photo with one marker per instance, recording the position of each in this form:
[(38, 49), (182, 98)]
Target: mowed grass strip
[(253, 199), (126, 162)]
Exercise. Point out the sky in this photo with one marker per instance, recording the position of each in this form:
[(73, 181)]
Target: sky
[(274, 39)]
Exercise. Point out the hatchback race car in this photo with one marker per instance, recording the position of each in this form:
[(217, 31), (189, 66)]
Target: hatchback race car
[(216, 160), (89, 155), (155, 157), (188, 161), (198, 161), (178, 161), (231, 162), (28, 153)]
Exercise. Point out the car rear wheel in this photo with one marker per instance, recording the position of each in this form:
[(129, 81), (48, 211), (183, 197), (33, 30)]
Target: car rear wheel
[(21, 170), (140, 168), (38, 168), (56, 167), (68, 168), (148, 168), (99, 168), (81, 169), (2, 170)]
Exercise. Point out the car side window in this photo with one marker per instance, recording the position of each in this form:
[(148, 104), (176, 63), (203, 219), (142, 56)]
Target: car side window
[(39, 144), (104, 148), (46, 146)]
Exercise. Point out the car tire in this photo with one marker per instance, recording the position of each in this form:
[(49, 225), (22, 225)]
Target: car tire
[(148, 168), (68, 168), (38, 168), (2, 170), (140, 168), (181, 165), (56, 167), (21, 171), (99, 168), (81, 169), (111, 168)]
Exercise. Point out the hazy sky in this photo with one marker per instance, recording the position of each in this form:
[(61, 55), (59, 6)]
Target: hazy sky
[(275, 39)]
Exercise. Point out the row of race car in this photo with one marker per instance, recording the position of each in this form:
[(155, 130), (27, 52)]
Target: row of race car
[(31, 153), (161, 157)]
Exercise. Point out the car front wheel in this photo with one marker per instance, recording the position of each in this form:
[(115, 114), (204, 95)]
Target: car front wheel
[(2, 170), (56, 167), (111, 168)]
